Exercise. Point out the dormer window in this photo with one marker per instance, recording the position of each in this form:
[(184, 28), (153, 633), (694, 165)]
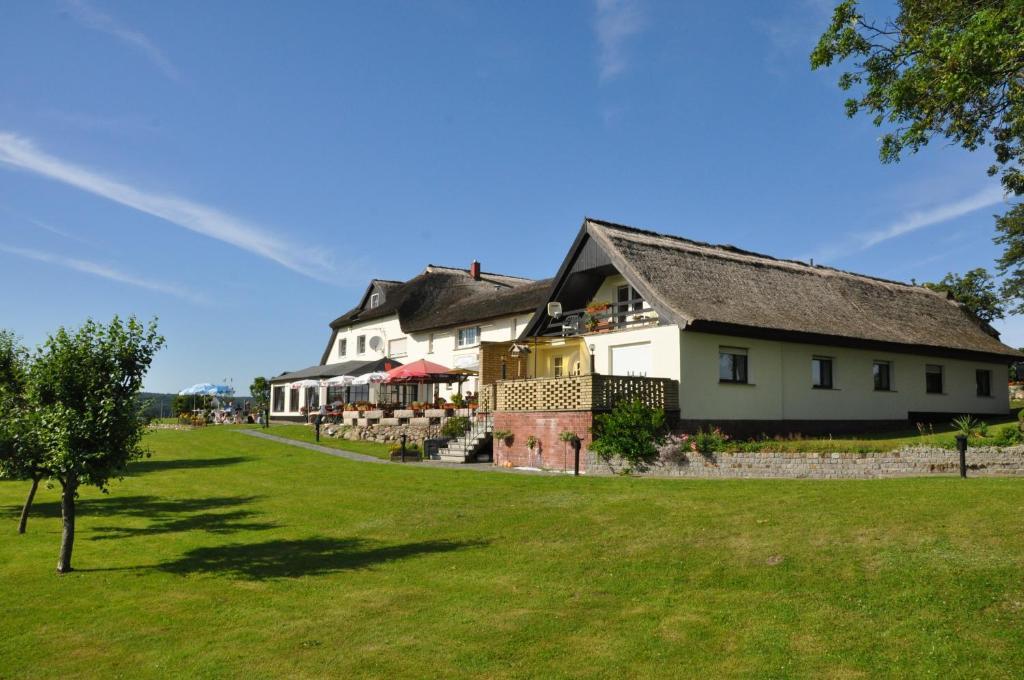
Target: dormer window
[(374, 300)]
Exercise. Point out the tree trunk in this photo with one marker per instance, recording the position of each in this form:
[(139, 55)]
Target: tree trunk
[(67, 539), (28, 504)]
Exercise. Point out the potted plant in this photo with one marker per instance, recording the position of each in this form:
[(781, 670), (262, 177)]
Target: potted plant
[(593, 317), (503, 436)]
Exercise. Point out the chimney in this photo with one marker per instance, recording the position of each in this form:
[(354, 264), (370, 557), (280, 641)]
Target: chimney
[(474, 270)]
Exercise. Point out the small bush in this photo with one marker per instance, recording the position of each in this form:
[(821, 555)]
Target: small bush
[(1008, 436), (532, 442), (567, 436), (710, 440), (455, 427), (633, 431)]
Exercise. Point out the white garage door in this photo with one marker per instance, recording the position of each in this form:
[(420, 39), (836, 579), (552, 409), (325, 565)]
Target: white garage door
[(631, 359)]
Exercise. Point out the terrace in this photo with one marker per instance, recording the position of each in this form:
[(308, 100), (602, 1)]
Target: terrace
[(555, 374)]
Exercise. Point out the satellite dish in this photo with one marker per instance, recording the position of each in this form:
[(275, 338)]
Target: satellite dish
[(376, 343)]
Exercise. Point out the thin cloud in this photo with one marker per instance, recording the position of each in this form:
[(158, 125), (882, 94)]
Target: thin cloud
[(859, 242), (90, 17), (617, 22), (104, 272), (202, 219), (58, 231)]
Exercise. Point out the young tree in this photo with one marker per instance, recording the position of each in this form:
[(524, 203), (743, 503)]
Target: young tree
[(20, 448), (260, 392), (83, 384), (942, 68), (975, 290)]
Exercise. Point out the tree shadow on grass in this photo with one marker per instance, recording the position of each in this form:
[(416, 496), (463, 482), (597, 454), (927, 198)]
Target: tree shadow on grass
[(209, 522), (141, 467), (166, 515), (133, 506), (302, 557)]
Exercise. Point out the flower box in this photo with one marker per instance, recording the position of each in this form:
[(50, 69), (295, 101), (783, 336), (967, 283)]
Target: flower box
[(404, 413), (349, 415), (373, 415), (434, 413)]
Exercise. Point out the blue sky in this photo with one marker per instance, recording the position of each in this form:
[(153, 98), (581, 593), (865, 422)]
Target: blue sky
[(242, 169)]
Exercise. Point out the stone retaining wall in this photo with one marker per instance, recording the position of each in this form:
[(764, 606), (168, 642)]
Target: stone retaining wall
[(379, 432), (912, 461)]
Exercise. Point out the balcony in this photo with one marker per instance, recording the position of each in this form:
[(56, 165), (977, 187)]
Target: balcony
[(600, 318), (588, 392)]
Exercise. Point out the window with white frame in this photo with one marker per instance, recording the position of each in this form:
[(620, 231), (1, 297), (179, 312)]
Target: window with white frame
[(983, 382), (374, 300), (342, 346), (279, 400), (469, 336), (821, 373), (556, 367), (361, 344), (732, 365), (882, 375), (933, 379), (396, 347)]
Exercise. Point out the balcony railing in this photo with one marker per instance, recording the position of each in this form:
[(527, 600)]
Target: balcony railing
[(618, 315), (592, 392)]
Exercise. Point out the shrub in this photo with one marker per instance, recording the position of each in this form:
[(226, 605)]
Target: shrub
[(502, 436), (411, 450), (710, 440), (532, 442), (633, 431), (567, 436), (458, 400), (1008, 436), (965, 425), (455, 427)]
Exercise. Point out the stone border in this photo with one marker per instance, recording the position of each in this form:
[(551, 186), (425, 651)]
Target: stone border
[(986, 461)]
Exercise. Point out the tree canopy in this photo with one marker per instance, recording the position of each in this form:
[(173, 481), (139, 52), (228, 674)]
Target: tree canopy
[(948, 68), (976, 290)]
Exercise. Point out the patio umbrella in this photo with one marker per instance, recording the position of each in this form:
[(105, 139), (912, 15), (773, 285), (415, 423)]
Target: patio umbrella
[(342, 380), (302, 384), (423, 371), (198, 388), (372, 377), (220, 391)]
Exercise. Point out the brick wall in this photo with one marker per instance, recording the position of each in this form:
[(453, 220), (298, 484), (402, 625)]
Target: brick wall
[(546, 426)]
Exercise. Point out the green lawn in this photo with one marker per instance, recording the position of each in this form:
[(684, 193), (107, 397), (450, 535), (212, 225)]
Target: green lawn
[(229, 556), (305, 433)]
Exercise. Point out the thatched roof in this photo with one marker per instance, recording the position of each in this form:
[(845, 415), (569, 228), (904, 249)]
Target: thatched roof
[(443, 297), (725, 289)]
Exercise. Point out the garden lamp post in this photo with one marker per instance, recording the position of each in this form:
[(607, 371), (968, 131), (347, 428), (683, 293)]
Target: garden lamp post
[(575, 443), (961, 447)]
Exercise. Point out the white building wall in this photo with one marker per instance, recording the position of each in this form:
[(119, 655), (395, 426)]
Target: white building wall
[(438, 346), (780, 383)]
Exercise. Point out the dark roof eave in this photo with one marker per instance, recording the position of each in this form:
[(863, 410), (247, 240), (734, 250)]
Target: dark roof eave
[(761, 333)]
